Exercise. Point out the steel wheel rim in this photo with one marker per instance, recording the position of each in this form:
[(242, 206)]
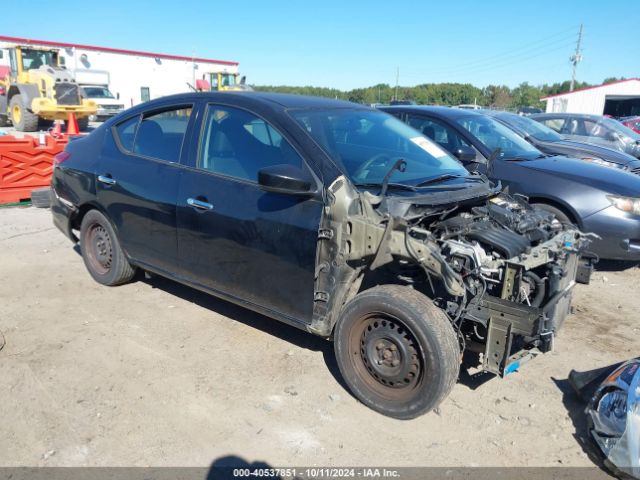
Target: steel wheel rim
[(16, 113), (386, 356), (99, 249)]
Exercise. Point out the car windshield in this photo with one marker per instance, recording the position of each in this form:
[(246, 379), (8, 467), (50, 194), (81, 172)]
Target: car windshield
[(366, 143), (531, 128), (492, 134), (97, 92)]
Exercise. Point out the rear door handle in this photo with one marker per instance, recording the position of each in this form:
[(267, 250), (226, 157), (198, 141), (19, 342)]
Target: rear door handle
[(106, 180), (199, 204)]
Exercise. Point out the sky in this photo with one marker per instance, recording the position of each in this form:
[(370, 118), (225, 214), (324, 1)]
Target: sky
[(355, 43)]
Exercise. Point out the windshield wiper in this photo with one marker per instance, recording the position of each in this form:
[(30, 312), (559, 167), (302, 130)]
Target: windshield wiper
[(447, 176), (399, 186)]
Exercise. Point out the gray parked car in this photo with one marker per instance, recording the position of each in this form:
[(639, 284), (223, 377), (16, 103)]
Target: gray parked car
[(598, 199), (552, 143), (594, 129)]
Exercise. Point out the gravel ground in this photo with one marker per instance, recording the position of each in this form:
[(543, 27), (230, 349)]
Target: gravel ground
[(154, 373)]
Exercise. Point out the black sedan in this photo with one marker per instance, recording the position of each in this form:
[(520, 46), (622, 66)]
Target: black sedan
[(332, 217), (598, 199), (550, 142)]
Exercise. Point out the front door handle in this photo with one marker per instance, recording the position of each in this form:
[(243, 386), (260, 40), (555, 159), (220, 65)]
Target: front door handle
[(199, 204), (106, 180)]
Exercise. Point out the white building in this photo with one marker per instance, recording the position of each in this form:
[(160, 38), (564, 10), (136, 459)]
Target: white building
[(618, 99), (134, 76)]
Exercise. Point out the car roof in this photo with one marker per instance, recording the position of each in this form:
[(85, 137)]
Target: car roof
[(567, 115), (283, 100), (445, 112)]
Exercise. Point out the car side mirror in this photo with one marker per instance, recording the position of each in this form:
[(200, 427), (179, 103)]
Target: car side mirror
[(285, 179), (465, 154)]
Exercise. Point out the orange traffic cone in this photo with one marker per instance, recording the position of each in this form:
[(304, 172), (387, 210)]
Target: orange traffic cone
[(56, 131), (72, 125)]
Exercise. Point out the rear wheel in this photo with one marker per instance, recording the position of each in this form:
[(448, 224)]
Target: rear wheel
[(397, 351), (23, 120), (101, 251)]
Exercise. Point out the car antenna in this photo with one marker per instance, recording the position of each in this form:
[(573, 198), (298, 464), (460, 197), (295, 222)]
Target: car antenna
[(495, 154), (399, 165)]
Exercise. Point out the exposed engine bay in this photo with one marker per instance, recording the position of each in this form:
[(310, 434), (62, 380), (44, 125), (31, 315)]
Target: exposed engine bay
[(501, 270)]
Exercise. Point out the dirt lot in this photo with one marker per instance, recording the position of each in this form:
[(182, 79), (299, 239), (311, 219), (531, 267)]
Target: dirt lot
[(153, 373)]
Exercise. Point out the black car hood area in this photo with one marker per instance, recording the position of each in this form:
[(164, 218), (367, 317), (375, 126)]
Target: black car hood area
[(581, 149), (598, 176)]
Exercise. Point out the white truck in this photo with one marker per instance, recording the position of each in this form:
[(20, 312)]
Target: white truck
[(95, 84)]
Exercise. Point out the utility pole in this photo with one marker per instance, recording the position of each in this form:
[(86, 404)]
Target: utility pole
[(575, 59), (397, 80)]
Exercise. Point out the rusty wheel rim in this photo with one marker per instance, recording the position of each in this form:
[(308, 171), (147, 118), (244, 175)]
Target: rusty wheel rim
[(99, 249), (387, 356)]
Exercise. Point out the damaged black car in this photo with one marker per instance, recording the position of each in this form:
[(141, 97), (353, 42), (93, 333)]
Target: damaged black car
[(335, 218)]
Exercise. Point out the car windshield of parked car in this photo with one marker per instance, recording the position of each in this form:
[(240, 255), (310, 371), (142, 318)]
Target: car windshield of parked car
[(492, 134), (366, 143), (532, 128), (97, 92)]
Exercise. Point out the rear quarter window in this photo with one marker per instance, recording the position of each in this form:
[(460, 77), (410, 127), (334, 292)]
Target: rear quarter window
[(126, 132)]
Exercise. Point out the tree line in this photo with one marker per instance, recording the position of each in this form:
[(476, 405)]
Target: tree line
[(496, 96)]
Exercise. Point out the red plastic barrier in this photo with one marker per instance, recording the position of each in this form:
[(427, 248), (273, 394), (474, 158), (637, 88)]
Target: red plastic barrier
[(26, 165)]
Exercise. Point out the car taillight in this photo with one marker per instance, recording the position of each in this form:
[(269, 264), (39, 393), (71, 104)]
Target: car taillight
[(60, 157)]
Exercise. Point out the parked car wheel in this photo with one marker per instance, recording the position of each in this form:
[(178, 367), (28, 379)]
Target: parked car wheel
[(101, 251), (397, 351), (23, 120)]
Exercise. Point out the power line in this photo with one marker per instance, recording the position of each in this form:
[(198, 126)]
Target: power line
[(531, 47), (464, 70)]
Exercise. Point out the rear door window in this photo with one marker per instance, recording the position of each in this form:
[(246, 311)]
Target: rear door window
[(158, 135)]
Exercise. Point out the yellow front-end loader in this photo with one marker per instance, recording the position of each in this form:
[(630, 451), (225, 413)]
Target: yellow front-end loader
[(38, 87)]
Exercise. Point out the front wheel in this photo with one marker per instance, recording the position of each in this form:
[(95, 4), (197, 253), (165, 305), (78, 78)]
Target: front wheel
[(397, 351), (101, 251)]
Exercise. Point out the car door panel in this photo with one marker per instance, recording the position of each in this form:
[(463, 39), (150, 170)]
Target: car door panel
[(252, 245), (139, 194), (141, 205)]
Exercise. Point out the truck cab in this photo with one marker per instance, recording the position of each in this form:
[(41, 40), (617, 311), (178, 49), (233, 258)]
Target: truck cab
[(95, 85)]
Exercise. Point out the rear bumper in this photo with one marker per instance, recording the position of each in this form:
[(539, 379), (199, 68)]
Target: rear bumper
[(619, 232), (62, 211)]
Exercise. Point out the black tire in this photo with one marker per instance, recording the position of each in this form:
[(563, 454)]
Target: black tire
[(101, 251), (397, 351), (4, 120), (83, 124), (559, 214), (23, 120), (40, 198)]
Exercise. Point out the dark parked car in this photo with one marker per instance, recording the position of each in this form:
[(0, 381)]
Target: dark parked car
[(552, 143), (528, 110), (332, 217), (598, 199), (592, 129)]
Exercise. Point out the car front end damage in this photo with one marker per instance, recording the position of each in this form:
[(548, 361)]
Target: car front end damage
[(501, 270)]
